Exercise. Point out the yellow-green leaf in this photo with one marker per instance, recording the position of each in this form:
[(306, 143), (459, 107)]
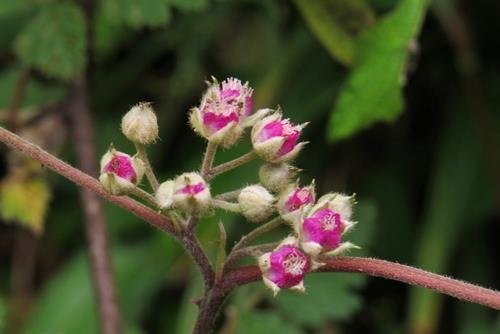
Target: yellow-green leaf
[(24, 201)]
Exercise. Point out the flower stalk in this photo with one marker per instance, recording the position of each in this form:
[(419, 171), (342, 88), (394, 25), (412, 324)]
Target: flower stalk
[(227, 166), (148, 170)]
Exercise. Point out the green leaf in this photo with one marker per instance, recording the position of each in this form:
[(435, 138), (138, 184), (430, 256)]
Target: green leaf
[(24, 201), (328, 295), (327, 20), (137, 14), (264, 323), (372, 91), (54, 41)]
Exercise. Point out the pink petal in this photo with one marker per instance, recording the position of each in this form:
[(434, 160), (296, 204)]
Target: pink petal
[(324, 227), (215, 122), (191, 189), (299, 198), (288, 265), (121, 166)]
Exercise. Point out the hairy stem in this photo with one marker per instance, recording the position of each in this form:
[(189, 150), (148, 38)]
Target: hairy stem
[(150, 175), (186, 238), (136, 191), (227, 166), (209, 308), (249, 251), (269, 226), (193, 247), (228, 206), (208, 159), (84, 180), (384, 269), (230, 195)]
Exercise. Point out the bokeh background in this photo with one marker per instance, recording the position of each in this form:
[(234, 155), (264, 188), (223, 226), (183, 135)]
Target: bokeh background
[(402, 99)]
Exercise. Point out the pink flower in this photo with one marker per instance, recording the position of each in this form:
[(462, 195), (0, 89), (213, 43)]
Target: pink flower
[(234, 93), (192, 189), (285, 267), (275, 139), (120, 172), (224, 111), (322, 227)]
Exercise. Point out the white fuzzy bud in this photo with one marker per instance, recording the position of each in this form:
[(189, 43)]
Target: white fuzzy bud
[(140, 124), (165, 195), (120, 172), (191, 194), (256, 203), (276, 177)]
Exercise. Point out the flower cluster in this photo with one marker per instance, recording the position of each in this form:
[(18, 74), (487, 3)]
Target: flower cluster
[(224, 112)]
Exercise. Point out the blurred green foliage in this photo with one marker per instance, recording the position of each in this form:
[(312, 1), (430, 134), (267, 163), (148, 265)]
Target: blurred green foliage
[(427, 186)]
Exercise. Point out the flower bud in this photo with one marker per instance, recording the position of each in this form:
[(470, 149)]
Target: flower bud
[(293, 199), (165, 195), (256, 203), (120, 172), (191, 194), (285, 267), (275, 139), (276, 177), (140, 125), (222, 111), (322, 227)]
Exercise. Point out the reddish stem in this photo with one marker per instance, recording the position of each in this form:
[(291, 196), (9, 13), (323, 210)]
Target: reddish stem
[(78, 177), (385, 269)]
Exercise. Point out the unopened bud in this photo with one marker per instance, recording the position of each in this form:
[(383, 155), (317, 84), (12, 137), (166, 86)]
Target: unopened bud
[(191, 194), (275, 139), (276, 177), (165, 195), (140, 124), (120, 172), (293, 200), (256, 203)]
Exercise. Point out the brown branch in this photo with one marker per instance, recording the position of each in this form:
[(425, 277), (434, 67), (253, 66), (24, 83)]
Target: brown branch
[(385, 269), (94, 218)]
